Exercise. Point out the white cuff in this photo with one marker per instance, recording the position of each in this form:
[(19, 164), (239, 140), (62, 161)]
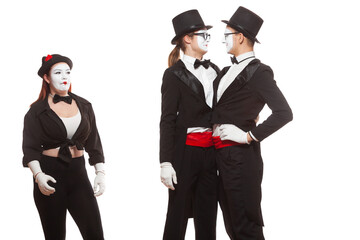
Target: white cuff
[(253, 137), (165, 164), (99, 167), (34, 166)]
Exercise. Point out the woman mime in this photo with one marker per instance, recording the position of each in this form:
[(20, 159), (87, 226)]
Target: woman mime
[(57, 129), (186, 149)]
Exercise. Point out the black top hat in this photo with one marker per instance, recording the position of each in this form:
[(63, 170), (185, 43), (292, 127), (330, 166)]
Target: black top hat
[(246, 22), (50, 60), (187, 22)]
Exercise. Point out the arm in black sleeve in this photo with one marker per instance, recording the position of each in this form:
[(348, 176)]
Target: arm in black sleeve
[(265, 85), (31, 146), (93, 143), (169, 108)]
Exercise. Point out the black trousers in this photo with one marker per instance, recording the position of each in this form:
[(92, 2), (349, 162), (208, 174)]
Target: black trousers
[(240, 175), (73, 192), (195, 196)]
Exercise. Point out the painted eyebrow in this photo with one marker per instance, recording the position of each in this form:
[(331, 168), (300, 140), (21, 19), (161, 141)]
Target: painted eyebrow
[(56, 69)]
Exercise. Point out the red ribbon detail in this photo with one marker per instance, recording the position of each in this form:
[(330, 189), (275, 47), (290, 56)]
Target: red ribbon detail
[(48, 58)]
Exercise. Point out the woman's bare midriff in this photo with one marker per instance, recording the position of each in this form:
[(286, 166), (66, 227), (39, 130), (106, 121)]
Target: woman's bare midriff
[(54, 152)]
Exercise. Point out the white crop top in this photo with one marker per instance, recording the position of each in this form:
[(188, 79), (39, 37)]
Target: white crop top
[(71, 124)]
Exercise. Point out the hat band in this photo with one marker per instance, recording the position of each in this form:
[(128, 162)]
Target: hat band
[(190, 29), (244, 31)]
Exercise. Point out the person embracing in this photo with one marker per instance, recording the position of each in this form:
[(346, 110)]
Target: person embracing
[(240, 93), (187, 154)]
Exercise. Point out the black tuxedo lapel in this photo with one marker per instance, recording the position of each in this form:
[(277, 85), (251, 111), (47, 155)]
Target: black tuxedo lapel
[(189, 79), (216, 68), (241, 79), (216, 83), (245, 75)]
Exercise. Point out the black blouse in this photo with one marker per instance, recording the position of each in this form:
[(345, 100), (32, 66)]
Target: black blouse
[(43, 129)]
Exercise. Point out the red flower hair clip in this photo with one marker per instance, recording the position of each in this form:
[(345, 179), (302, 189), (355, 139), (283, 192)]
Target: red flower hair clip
[(48, 58)]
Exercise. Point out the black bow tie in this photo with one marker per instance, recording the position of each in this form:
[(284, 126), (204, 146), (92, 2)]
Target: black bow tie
[(234, 60), (57, 98), (205, 63)]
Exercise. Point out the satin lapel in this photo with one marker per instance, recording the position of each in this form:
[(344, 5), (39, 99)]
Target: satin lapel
[(189, 79), (216, 68), (216, 83), (242, 78)]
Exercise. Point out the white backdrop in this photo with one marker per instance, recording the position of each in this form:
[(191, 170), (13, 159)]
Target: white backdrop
[(120, 50)]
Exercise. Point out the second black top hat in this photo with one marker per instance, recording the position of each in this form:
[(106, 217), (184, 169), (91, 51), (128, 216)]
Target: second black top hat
[(246, 22), (186, 22)]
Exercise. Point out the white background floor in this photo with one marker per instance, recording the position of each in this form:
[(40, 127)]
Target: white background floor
[(120, 50)]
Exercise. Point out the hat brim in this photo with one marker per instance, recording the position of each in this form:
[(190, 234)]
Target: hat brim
[(44, 69), (189, 30), (241, 29)]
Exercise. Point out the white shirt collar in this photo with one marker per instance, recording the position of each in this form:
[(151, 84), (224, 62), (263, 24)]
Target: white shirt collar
[(188, 59), (243, 56)]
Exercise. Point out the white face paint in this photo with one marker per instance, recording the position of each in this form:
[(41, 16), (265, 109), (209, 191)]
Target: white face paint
[(228, 40), (60, 76), (202, 43)]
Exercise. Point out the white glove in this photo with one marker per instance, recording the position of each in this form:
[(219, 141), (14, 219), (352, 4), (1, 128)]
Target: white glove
[(99, 179), (41, 178), (168, 175), (233, 133)]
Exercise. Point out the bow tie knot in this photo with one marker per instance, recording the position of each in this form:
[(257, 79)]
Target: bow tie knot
[(234, 60), (205, 63), (57, 98)]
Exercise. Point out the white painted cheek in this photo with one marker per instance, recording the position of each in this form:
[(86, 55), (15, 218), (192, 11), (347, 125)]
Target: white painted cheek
[(60, 82), (202, 43), (229, 43), (228, 40)]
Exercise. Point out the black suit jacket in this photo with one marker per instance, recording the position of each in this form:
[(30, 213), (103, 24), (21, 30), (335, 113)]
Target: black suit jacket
[(43, 129), (243, 100), (240, 104), (183, 105)]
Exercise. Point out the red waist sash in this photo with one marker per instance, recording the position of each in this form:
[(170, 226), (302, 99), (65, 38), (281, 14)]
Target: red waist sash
[(218, 143), (200, 139)]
